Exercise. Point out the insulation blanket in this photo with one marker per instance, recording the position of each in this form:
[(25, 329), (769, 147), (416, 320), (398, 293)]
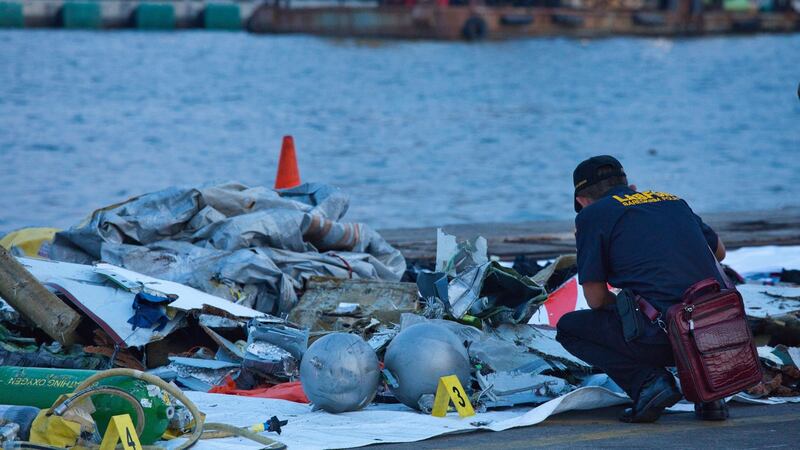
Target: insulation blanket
[(250, 245)]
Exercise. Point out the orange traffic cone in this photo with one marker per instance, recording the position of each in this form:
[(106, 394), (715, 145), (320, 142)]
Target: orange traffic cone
[(288, 174)]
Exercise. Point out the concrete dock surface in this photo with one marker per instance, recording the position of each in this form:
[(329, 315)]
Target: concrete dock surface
[(750, 426), (549, 239)]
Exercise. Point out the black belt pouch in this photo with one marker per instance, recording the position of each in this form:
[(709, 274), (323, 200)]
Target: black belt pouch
[(629, 314)]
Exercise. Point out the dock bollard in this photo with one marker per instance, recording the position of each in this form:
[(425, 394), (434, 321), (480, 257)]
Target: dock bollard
[(154, 16), (80, 15), (11, 15), (222, 16)]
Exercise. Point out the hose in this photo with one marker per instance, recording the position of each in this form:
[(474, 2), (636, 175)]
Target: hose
[(151, 379), (230, 430), (85, 388), (109, 390)]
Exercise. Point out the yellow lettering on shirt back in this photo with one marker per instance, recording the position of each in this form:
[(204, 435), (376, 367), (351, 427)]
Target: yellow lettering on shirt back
[(640, 198)]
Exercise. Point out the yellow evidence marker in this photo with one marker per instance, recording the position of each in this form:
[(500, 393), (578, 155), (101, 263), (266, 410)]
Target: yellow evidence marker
[(121, 429), (450, 389)]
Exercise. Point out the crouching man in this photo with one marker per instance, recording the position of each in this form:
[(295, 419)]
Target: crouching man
[(645, 243)]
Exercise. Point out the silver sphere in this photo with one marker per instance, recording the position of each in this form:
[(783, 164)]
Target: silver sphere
[(339, 373), (420, 355)]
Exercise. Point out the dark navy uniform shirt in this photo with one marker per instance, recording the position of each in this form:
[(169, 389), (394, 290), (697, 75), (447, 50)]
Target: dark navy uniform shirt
[(649, 242)]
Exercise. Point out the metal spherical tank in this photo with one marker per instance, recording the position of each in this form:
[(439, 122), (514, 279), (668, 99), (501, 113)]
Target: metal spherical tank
[(420, 355), (339, 373)]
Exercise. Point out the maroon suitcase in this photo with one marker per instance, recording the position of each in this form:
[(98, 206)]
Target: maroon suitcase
[(711, 340)]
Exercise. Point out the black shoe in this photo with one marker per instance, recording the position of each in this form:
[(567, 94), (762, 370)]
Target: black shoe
[(655, 396), (717, 410)]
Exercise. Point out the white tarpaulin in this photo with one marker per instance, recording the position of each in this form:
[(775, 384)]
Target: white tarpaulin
[(378, 423), (392, 423), (770, 258), (763, 301)]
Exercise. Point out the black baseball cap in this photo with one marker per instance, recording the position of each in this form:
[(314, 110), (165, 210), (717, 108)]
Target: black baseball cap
[(585, 174)]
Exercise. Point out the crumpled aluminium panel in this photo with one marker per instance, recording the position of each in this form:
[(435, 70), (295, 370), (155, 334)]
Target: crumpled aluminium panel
[(91, 289), (519, 387), (541, 341)]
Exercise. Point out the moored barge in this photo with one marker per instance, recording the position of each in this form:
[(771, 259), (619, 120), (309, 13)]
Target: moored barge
[(492, 19)]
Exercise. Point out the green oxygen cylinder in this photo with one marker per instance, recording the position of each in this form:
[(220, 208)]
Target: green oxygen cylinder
[(155, 403), (41, 387)]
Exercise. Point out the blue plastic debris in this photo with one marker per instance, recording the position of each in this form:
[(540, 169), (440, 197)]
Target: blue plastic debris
[(150, 311)]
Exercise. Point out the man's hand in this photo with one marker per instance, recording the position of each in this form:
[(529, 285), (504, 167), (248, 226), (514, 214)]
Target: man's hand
[(597, 294), (719, 252)]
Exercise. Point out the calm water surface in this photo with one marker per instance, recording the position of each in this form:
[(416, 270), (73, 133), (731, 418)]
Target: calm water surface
[(419, 133)]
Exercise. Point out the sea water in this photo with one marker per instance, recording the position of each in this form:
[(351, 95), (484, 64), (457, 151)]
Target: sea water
[(418, 133)]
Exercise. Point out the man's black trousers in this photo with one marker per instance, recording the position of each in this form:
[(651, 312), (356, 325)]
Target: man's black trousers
[(595, 336)]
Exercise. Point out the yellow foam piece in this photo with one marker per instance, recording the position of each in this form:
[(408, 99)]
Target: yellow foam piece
[(54, 430), (29, 240)]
